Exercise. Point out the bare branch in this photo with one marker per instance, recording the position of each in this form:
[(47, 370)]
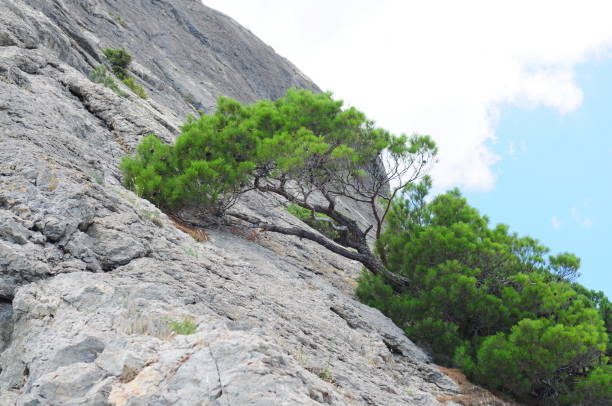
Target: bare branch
[(398, 282)]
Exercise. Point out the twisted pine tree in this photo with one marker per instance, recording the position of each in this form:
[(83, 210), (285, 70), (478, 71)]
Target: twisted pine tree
[(304, 147)]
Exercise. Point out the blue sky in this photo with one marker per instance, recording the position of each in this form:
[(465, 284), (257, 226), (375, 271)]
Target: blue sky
[(553, 181)]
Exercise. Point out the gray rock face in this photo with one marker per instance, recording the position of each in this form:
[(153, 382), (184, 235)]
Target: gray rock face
[(6, 324), (92, 277), (185, 53)]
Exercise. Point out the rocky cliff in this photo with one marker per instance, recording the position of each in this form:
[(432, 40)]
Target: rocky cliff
[(93, 277)]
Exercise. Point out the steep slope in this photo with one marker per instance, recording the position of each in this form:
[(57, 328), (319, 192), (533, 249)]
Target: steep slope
[(91, 276), (186, 54)]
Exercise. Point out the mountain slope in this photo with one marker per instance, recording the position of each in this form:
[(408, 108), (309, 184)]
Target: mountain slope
[(92, 277), (186, 54)]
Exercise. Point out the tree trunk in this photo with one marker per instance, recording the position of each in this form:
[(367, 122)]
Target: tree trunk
[(363, 254)]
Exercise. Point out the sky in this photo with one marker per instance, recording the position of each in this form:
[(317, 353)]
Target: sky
[(516, 94)]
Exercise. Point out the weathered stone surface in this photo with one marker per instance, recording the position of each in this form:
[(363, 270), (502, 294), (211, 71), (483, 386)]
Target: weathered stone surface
[(6, 324), (185, 53), (91, 276), (12, 230)]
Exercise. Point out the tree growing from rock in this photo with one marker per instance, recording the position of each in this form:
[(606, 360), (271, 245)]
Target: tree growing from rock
[(304, 148)]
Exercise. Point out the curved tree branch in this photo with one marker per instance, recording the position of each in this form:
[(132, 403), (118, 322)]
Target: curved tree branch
[(365, 256)]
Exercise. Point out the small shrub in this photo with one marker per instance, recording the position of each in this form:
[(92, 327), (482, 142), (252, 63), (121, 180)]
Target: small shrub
[(325, 374), (100, 75), (137, 89), (117, 18), (119, 60), (184, 327)]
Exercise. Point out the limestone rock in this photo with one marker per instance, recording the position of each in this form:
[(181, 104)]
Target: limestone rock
[(93, 278)]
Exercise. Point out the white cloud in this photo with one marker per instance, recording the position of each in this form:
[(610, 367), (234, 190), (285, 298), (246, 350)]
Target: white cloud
[(511, 150), (584, 221), (555, 222), (438, 67)]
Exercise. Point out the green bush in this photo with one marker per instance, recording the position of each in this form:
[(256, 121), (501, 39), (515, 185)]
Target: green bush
[(539, 356), (594, 390), (601, 302), (488, 300), (100, 75), (188, 174), (137, 89), (184, 327), (303, 137), (119, 60)]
